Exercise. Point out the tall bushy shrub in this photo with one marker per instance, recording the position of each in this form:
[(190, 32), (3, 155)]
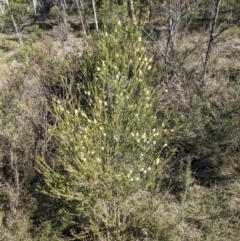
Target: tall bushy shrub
[(108, 148)]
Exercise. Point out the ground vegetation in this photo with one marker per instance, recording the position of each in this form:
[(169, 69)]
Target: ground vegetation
[(119, 120)]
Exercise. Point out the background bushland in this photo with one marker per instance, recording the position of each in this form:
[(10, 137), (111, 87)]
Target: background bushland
[(119, 125)]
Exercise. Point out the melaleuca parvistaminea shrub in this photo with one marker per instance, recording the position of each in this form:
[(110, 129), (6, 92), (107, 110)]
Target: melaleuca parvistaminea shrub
[(109, 148)]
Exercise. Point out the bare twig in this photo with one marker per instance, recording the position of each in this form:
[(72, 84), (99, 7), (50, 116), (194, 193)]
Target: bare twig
[(157, 45), (95, 14), (80, 15), (213, 36), (213, 24)]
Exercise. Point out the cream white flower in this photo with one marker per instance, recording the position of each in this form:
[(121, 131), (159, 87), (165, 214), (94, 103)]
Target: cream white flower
[(98, 160), (147, 92), (84, 115), (75, 111)]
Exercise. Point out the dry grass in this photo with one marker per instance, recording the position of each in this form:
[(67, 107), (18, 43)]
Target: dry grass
[(9, 48)]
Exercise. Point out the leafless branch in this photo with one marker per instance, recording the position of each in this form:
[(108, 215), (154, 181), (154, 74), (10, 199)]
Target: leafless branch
[(157, 45), (213, 25)]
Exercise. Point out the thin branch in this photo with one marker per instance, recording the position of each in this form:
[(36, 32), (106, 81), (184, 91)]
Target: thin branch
[(157, 45), (210, 42), (33, 23), (16, 29), (95, 14), (81, 16)]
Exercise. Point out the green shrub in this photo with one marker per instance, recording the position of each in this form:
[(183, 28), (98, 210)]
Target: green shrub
[(109, 148)]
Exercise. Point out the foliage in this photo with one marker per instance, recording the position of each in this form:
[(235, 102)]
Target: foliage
[(110, 149), (130, 143), (19, 10)]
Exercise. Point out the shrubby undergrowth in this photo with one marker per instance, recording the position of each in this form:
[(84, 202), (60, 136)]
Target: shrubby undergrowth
[(118, 144)]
